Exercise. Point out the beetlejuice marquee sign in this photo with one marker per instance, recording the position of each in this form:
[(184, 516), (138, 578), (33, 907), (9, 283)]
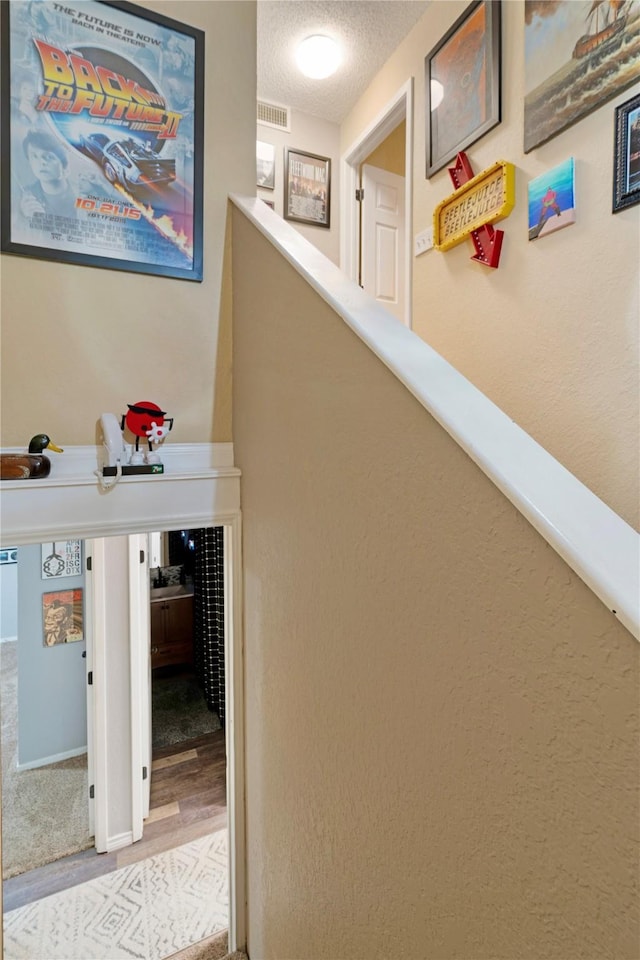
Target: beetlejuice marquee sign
[(476, 204)]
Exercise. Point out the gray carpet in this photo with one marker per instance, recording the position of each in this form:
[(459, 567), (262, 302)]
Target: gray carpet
[(179, 710), (45, 813)]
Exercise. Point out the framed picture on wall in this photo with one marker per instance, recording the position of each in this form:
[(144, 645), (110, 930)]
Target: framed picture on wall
[(307, 188), (265, 165), (62, 559), (102, 137), (626, 155), (462, 78), (62, 617), (578, 55)]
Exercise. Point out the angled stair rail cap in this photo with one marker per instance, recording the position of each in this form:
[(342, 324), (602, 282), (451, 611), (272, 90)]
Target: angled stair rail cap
[(597, 544)]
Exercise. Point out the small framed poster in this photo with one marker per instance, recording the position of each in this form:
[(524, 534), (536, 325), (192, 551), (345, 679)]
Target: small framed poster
[(307, 188), (62, 617), (626, 155), (62, 559), (265, 165)]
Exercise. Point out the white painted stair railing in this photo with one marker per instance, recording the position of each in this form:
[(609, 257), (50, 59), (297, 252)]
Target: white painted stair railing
[(593, 540)]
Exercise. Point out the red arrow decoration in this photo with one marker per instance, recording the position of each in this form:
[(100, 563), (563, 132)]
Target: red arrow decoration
[(462, 172), (487, 243)]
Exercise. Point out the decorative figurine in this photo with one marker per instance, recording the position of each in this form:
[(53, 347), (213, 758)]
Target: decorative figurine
[(28, 466), (146, 420)]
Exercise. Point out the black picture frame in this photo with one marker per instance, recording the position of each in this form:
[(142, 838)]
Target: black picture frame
[(307, 188), (82, 84), (463, 84), (626, 155)]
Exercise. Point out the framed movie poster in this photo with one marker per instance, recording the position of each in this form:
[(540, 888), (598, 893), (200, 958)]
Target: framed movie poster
[(307, 188), (62, 620), (626, 155), (462, 77), (577, 54), (102, 136)]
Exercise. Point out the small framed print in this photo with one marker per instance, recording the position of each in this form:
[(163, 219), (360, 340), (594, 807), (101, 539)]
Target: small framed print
[(307, 188), (62, 559), (62, 617), (626, 155), (265, 165)]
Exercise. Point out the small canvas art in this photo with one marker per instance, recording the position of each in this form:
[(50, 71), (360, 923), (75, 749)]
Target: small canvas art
[(62, 617), (552, 203), (62, 559)]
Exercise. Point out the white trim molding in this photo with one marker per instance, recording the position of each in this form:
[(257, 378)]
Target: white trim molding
[(199, 482), (602, 549), (55, 758)]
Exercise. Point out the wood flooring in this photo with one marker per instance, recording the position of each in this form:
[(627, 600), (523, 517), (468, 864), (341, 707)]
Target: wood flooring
[(188, 800)]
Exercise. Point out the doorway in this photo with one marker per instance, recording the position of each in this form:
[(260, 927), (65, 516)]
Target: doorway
[(43, 705), (397, 111)]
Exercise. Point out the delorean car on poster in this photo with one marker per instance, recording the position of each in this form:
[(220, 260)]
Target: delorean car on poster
[(102, 122)]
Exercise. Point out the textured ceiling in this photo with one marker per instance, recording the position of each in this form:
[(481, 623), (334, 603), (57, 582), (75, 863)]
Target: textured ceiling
[(368, 31)]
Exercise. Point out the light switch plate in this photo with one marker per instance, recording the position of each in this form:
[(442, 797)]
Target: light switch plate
[(423, 241)]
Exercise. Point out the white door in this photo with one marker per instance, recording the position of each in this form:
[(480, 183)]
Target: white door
[(383, 246)]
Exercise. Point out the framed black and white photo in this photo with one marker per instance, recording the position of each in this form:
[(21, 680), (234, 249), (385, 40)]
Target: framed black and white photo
[(462, 78), (307, 188), (102, 136), (626, 155)]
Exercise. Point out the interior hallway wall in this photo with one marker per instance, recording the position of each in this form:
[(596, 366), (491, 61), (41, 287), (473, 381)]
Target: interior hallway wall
[(313, 135), (441, 718), (551, 336), (79, 341)]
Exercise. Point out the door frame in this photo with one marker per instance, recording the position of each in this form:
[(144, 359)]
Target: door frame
[(139, 661), (399, 108)]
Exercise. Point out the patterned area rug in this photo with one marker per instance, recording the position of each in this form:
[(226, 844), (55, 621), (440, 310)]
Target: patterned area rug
[(179, 710), (149, 909)]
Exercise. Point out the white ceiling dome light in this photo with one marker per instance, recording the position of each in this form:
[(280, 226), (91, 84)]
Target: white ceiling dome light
[(318, 57)]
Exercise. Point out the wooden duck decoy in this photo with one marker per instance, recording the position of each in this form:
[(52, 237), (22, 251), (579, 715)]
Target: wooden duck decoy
[(31, 465)]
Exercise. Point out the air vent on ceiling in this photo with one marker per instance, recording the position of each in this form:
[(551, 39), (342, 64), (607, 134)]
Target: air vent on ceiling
[(274, 115)]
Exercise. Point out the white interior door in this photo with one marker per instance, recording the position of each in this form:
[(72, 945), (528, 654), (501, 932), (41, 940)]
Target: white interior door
[(382, 238)]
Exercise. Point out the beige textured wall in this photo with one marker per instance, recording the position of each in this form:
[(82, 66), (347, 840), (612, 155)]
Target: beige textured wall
[(390, 155), (77, 341), (316, 136), (441, 732), (551, 335)]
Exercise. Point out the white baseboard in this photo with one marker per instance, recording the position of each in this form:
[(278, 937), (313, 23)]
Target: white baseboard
[(119, 840), (56, 758)]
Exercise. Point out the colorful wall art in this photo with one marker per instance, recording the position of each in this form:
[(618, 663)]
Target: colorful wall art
[(552, 203)]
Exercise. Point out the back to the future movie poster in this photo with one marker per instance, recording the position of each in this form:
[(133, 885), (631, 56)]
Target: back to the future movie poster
[(102, 136)]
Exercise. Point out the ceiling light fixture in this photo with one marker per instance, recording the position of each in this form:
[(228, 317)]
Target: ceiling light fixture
[(318, 57)]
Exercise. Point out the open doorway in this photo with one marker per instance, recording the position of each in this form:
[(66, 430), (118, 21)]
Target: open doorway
[(397, 239), (186, 601), (43, 707)]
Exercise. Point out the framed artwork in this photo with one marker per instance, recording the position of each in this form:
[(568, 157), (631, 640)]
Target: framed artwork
[(578, 55), (9, 555), (62, 618), (61, 559), (265, 165), (307, 188), (462, 77), (552, 200), (626, 155), (102, 136)]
